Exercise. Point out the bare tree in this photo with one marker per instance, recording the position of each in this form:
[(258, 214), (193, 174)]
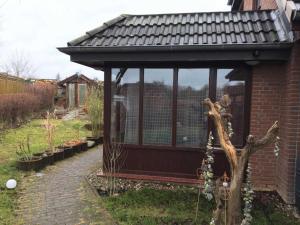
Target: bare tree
[(238, 160), (18, 64)]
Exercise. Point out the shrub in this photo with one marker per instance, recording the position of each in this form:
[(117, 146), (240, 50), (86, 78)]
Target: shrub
[(16, 107), (95, 109)]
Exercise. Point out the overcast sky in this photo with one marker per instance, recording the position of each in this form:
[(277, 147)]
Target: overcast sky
[(36, 27)]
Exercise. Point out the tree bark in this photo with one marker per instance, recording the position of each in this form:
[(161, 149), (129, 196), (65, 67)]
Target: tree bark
[(238, 162)]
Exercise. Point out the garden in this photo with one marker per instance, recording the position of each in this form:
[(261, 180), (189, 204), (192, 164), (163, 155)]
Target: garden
[(36, 133), (32, 138)]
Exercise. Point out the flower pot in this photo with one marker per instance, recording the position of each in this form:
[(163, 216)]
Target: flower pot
[(96, 140), (77, 148), (84, 146), (92, 141), (33, 164), (44, 162), (50, 157), (100, 140), (68, 152), (59, 154)]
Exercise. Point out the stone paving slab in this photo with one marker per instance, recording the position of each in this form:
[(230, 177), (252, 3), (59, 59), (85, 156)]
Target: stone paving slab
[(60, 194)]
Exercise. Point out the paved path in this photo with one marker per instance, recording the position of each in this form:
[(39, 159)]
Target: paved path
[(61, 195)]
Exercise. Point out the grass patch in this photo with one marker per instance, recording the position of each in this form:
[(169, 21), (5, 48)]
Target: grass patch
[(158, 207), (65, 130)]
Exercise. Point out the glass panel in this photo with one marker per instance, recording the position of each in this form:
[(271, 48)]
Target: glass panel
[(125, 105), (191, 118), (82, 94), (158, 90), (232, 82), (71, 95)]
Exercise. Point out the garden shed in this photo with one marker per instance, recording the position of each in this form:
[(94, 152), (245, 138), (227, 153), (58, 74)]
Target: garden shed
[(159, 68), (75, 90)]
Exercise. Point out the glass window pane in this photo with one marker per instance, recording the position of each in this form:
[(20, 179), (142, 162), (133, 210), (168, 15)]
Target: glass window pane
[(191, 118), (125, 105), (158, 90), (232, 82)]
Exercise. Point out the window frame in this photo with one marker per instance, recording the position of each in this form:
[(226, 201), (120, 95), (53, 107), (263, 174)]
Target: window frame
[(212, 95)]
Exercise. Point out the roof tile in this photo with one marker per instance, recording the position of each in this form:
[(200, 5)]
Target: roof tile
[(215, 28)]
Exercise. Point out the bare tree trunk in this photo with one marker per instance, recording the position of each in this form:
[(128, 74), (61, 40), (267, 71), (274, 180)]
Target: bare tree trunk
[(234, 216), (237, 161)]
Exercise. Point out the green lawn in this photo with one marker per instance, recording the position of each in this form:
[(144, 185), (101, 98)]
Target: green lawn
[(65, 130), (161, 207)]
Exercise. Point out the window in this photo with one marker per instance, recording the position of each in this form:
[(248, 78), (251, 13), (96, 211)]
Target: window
[(164, 106), (232, 82), (157, 119), (125, 105), (191, 121)]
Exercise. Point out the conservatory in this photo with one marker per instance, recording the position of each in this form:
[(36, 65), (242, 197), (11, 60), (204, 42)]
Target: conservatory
[(158, 69)]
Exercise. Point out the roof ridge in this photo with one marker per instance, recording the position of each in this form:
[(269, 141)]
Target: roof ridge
[(92, 32), (185, 13)]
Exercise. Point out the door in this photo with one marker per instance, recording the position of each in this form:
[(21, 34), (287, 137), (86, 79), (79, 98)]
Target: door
[(71, 95), (82, 94)]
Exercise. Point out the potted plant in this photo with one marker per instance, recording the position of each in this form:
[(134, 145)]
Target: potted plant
[(74, 145), (95, 113), (50, 128), (77, 144), (25, 159)]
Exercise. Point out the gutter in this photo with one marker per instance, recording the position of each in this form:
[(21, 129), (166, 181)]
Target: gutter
[(237, 47)]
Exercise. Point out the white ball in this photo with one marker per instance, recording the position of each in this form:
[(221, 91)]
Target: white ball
[(225, 184), (11, 184)]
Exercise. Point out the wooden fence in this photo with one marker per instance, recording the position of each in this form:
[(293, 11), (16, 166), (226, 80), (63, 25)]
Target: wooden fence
[(10, 84)]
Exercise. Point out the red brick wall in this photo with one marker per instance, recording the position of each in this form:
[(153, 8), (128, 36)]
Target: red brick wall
[(268, 4), (276, 96), (265, 4), (267, 82), (248, 5), (290, 126)]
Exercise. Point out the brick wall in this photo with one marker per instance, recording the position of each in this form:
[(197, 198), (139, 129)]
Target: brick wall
[(276, 96), (264, 4), (290, 126), (268, 4), (267, 82)]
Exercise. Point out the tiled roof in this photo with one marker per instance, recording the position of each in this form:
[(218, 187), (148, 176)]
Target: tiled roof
[(188, 29)]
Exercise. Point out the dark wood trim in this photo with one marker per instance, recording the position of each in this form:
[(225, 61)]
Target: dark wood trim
[(217, 149), (107, 104), (96, 60), (247, 104), (212, 95), (141, 106), (180, 65), (174, 114), (212, 83)]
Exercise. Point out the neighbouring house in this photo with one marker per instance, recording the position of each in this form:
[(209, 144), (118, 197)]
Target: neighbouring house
[(73, 90), (159, 68)]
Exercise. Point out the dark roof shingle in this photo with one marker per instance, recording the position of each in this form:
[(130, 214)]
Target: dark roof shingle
[(213, 28)]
